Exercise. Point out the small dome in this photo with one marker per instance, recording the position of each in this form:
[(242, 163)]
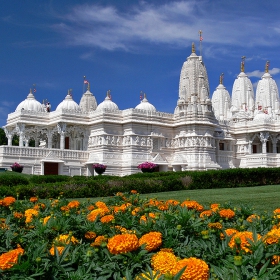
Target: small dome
[(30, 104), (145, 105), (88, 102), (68, 103), (107, 104)]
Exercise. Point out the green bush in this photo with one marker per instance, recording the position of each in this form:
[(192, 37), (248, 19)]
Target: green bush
[(13, 179), (39, 179)]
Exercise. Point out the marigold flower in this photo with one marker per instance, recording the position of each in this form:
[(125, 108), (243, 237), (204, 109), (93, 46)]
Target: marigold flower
[(242, 238), (227, 213), (7, 201), (253, 218), (133, 192), (73, 204), (164, 262), (39, 206), (192, 204), (90, 235), (3, 223), (29, 213), (153, 240), (65, 239), (215, 206), (172, 202), (195, 269), (102, 205), (64, 208), (99, 240), (60, 249), (45, 220), (275, 260), (91, 207), (33, 199), (135, 211), (92, 216), (123, 243), (9, 259), (18, 215), (273, 236), (107, 219), (206, 213), (215, 225), (229, 232), (277, 211)]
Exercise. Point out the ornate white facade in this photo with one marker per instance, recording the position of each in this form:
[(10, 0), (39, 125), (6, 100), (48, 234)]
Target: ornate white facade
[(240, 130)]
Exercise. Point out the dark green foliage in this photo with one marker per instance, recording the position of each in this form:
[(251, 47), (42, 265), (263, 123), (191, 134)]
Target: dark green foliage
[(38, 179), (13, 179)]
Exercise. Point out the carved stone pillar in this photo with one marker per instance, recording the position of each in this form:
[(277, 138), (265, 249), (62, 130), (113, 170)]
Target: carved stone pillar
[(9, 135), (264, 138), (250, 147), (20, 128), (274, 144), (61, 127), (50, 136)]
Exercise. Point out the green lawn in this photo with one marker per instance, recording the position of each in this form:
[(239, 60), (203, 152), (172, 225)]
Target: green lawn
[(262, 198)]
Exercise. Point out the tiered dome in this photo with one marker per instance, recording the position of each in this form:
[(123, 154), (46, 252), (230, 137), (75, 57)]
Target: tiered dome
[(88, 102), (107, 104), (68, 104), (145, 105), (30, 104)]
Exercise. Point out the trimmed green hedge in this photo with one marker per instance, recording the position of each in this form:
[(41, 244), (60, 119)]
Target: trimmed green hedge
[(97, 186)]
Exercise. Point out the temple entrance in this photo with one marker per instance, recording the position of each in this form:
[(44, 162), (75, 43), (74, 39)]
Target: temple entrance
[(50, 168)]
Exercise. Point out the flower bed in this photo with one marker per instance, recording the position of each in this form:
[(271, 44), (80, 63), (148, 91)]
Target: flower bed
[(128, 238)]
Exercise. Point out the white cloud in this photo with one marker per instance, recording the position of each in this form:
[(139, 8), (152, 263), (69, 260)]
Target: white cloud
[(173, 23), (259, 74)]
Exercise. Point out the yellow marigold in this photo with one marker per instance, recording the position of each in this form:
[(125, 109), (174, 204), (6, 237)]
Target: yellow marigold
[(18, 215), (229, 232), (33, 199), (90, 235), (192, 204), (45, 220), (147, 275), (153, 240), (3, 223), (277, 211), (73, 204), (59, 249), (9, 200), (29, 213), (107, 219), (123, 243), (196, 269), (215, 225), (275, 260), (9, 259), (92, 216), (227, 213), (163, 261), (241, 239), (99, 240), (135, 211), (206, 213), (253, 218), (101, 204), (55, 202), (65, 239), (273, 236)]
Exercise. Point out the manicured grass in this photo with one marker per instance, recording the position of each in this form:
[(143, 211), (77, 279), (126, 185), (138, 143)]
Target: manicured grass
[(261, 198)]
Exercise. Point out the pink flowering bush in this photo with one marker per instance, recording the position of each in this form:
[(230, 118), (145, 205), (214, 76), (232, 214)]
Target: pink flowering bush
[(147, 165)]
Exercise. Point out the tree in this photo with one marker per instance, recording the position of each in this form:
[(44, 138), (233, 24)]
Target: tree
[(3, 138)]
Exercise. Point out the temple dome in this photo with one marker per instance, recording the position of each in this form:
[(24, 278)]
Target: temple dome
[(261, 116), (221, 103), (107, 104), (145, 105), (88, 102), (68, 104), (30, 104)]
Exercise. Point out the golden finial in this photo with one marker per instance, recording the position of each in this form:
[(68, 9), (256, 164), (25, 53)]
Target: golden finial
[(267, 66), (243, 63), (221, 78), (193, 47), (144, 95), (88, 86)]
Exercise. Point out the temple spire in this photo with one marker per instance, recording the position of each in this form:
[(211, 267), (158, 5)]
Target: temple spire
[(222, 78), (267, 66), (193, 48), (243, 63)]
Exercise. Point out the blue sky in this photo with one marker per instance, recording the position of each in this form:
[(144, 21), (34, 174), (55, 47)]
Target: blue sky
[(129, 46)]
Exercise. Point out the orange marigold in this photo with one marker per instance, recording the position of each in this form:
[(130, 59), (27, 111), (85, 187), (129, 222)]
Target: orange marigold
[(59, 249), (107, 219), (73, 204), (135, 211), (90, 235), (45, 220), (18, 215), (215, 225), (9, 259), (64, 208), (215, 206), (229, 232), (92, 216), (196, 269), (99, 240), (123, 243), (273, 236), (33, 199), (39, 206), (29, 213), (241, 239), (275, 260), (192, 204), (9, 200), (153, 240), (227, 213), (3, 223), (252, 218), (91, 207), (277, 211), (133, 192), (172, 202), (206, 213), (163, 261)]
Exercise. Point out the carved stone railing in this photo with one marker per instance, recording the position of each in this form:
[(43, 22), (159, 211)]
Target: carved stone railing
[(39, 153)]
